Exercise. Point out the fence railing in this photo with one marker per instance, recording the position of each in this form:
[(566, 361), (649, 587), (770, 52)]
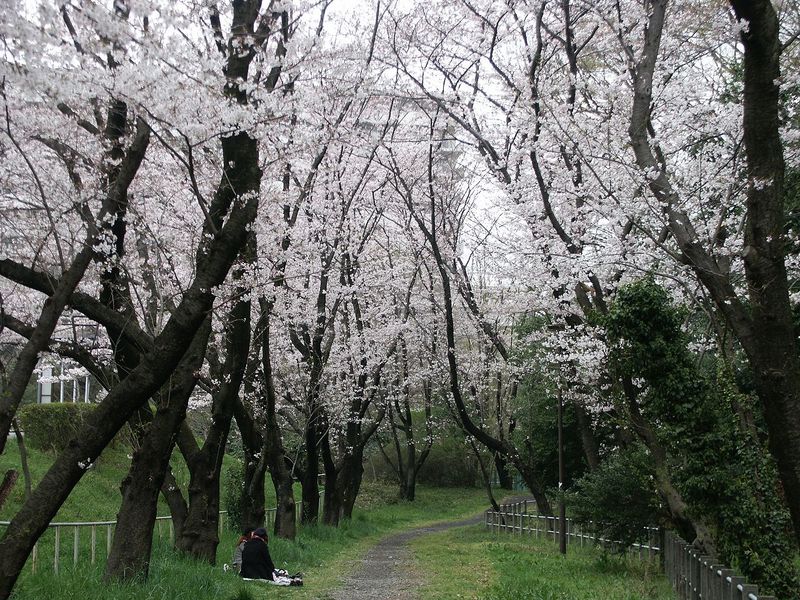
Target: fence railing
[(95, 535), (91, 540), (693, 576), (515, 519)]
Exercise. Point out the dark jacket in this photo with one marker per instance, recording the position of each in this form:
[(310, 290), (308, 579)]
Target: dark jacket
[(256, 561)]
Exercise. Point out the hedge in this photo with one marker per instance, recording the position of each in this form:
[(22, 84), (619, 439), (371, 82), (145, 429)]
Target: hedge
[(52, 426)]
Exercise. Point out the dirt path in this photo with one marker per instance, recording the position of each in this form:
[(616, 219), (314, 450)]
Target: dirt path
[(385, 572)]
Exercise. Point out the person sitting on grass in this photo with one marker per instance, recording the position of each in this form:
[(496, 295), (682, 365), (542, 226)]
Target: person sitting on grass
[(257, 563), (237, 554)]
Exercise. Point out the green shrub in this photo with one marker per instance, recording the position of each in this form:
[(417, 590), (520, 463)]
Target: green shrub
[(52, 426), (451, 463), (232, 489), (619, 498)]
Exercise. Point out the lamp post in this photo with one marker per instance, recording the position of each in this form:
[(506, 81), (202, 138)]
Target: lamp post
[(562, 511)]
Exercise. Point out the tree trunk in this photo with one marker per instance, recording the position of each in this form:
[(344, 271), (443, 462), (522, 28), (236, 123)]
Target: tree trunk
[(23, 457), (350, 478), (532, 482), (310, 485), (9, 481), (252, 503), (332, 505), (129, 556), (773, 352), (503, 474), (285, 512), (408, 474), (487, 483), (587, 435), (200, 531), (177, 505), (689, 528)]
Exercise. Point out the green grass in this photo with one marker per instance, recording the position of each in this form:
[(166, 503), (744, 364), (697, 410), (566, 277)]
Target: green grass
[(97, 495), (324, 554), (472, 563), (465, 562)]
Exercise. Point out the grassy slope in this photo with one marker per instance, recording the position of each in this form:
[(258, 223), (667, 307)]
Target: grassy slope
[(469, 563), (96, 497)]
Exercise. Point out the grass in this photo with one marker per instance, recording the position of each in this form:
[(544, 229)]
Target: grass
[(470, 563), (462, 563), (324, 554), (97, 495)]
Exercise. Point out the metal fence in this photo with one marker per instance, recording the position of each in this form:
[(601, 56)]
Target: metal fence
[(693, 576), (515, 519), (90, 540)]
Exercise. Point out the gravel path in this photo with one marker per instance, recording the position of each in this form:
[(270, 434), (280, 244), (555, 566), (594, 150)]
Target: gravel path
[(386, 570)]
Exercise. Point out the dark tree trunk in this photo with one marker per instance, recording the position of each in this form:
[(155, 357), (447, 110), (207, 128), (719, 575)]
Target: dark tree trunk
[(251, 502), (23, 457), (773, 351), (503, 474), (408, 475), (177, 505), (129, 556), (332, 505), (690, 529), (487, 483), (587, 436), (309, 483), (408, 469), (350, 478), (285, 513), (200, 531), (9, 481), (342, 484)]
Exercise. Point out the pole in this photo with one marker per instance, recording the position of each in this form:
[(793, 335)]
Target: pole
[(562, 511)]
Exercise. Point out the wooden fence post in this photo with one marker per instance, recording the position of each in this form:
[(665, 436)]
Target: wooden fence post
[(733, 588), (747, 589), (722, 575)]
